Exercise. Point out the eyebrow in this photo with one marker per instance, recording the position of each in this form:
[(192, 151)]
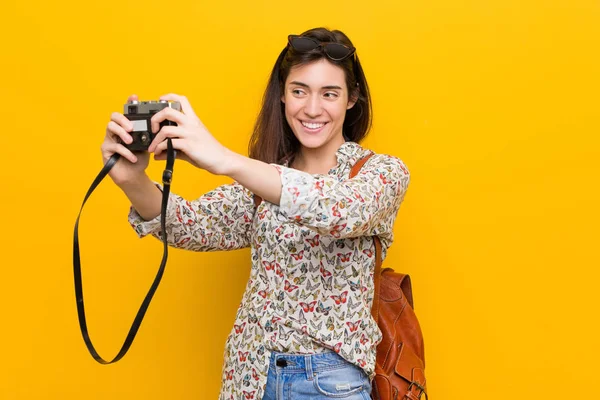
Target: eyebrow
[(308, 87)]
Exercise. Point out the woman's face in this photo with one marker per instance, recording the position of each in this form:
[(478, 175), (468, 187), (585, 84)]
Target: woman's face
[(316, 100)]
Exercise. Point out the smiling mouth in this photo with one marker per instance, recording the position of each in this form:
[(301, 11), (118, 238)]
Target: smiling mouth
[(313, 125)]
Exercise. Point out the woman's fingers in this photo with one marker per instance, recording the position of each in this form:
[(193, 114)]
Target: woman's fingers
[(178, 144), (110, 148), (122, 121), (117, 131), (186, 107), (166, 132), (166, 114)]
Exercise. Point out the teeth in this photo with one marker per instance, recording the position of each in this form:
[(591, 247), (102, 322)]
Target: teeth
[(312, 125)]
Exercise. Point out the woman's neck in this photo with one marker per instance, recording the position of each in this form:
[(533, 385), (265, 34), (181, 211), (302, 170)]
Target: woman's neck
[(317, 161)]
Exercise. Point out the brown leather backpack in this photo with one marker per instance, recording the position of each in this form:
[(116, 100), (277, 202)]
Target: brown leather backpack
[(400, 363)]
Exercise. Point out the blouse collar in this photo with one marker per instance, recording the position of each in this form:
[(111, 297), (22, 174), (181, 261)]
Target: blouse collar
[(347, 155)]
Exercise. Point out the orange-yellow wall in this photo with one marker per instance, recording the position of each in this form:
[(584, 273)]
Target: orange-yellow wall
[(493, 105)]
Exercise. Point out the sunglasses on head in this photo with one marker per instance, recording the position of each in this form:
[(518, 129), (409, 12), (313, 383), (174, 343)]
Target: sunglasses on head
[(335, 51)]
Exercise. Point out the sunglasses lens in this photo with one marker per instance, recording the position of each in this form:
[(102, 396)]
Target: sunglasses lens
[(304, 44), (337, 51)]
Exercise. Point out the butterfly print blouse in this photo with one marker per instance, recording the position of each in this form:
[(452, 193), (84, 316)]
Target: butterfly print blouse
[(313, 257)]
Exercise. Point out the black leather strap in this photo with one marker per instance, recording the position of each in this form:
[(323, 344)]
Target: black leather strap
[(135, 326)]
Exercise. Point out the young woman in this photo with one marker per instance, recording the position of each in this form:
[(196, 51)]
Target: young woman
[(304, 328)]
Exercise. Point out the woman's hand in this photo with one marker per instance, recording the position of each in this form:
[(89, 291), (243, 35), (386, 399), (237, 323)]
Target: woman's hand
[(130, 167), (195, 143)]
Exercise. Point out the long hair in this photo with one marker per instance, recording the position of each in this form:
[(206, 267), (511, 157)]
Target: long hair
[(273, 140)]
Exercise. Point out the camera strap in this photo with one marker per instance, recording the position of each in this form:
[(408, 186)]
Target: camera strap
[(167, 177)]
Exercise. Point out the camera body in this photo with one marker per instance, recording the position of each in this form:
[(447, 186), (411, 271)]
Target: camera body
[(140, 113)]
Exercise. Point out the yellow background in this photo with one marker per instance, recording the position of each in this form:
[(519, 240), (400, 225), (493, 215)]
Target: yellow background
[(492, 104)]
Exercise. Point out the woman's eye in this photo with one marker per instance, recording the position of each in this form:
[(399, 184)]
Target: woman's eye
[(331, 95), (297, 91)]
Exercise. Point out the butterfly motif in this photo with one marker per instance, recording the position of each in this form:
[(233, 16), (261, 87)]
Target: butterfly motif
[(267, 303), (229, 374), (263, 213), (239, 328), (322, 309), (329, 248), (278, 271), (249, 395), (315, 326), (361, 362), (384, 179), (255, 375), (337, 230), (263, 278), (338, 286), (352, 305), (295, 193), (363, 339), (299, 280), (324, 272), (242, 356), (353, 325), (298, 256), (327, 282), (344, 257), (246, 381), (347, 356), (354, 286), (263, 294), (247, 337), (310, 307), (289, 287), (269, 265), (326, 338), (183, 241), (349, 337), (341, 298), (329, 324), (337, 347), (303, 268), (335, 211), (301, 318), (282, 335), (368, 252), (338, 336), (314, 242)]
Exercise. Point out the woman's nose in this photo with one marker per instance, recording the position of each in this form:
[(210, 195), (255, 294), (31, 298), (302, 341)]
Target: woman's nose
[(312, 107)]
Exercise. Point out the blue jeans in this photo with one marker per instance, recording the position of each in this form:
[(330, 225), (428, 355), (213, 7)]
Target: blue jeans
[(315, 376)]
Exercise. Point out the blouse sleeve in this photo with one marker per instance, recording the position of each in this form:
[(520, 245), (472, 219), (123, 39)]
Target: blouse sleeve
[(219, 220), (365, 205)]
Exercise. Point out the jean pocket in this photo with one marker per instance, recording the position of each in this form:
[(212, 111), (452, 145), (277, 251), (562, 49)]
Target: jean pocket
[(341, 382)]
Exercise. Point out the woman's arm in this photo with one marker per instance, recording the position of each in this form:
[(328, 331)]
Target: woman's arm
[(259, 177), (218, 220)]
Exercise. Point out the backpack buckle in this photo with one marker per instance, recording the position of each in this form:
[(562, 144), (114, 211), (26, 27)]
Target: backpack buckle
[(419, 387)]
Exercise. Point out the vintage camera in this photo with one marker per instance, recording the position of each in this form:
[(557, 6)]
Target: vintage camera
[(140, 113)]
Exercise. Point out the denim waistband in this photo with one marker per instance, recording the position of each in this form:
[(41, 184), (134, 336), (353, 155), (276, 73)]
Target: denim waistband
[(300, 363)]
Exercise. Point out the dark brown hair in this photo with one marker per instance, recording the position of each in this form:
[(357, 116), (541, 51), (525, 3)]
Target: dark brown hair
[(273, 140)]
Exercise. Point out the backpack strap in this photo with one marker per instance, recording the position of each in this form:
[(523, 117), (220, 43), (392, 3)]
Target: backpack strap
[(377, 275)]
